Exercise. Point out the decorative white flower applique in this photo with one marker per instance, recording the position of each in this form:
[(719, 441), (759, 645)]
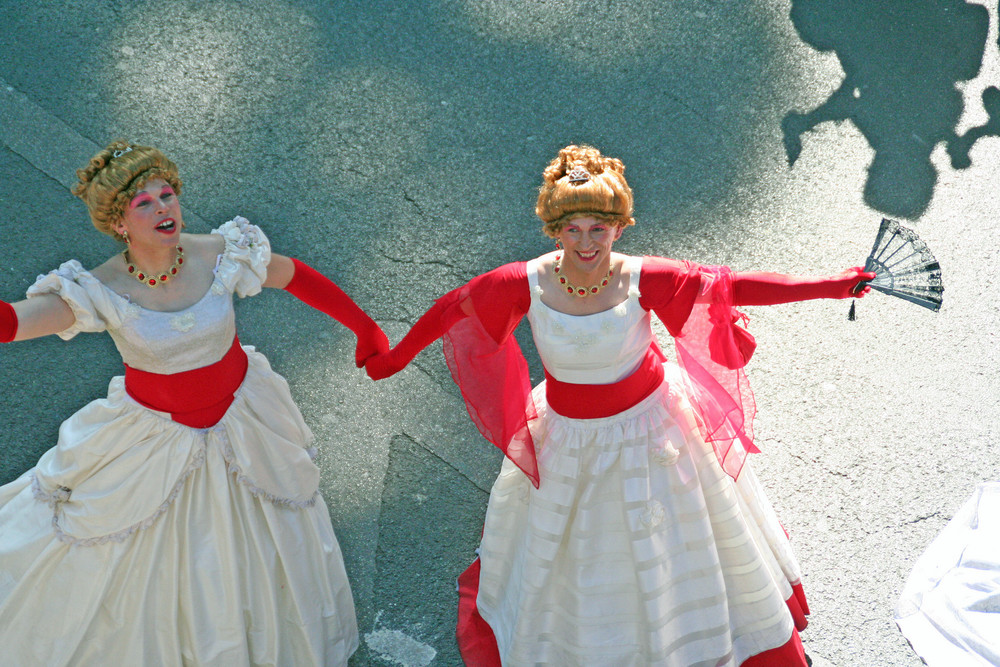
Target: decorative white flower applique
[(242, 234), (130, 310), (249, 238), (654, 514), (538, 291), (585, 338), (621, 309), (666, 455), (182, 323)]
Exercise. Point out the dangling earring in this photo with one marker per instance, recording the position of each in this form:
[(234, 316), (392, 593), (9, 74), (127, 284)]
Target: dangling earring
[(558, 245), (125, 237)]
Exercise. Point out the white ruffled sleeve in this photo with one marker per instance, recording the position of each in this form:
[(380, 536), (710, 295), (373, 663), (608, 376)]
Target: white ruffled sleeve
[(90, 302), (243, 264)]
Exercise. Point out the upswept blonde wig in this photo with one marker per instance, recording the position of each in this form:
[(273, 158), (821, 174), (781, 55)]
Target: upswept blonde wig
[(603, 194), (113, 176)]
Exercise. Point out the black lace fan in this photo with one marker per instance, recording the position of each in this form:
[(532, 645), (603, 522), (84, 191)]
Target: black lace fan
[(904, 267)]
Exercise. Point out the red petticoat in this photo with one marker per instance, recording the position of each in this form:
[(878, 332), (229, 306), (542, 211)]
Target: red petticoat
[(478, 646)]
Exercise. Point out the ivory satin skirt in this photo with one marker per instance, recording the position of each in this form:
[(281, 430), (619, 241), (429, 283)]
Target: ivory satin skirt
[(637, 549), (140, 541)]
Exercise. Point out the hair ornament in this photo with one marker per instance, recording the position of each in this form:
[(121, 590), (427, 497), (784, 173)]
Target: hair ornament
[(578, 175), (121, 151)]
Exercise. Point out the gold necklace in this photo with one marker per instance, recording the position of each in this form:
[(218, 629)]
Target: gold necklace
[(153, 281), (580, 291)]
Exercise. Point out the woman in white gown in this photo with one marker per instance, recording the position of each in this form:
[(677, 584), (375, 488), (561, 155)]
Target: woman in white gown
[(624, 527), (178, 520)]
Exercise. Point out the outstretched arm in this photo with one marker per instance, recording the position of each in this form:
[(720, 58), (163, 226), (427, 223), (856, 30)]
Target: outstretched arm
[(753, 288), (432, 325), (496, 300), (32, 318), (313, 288)]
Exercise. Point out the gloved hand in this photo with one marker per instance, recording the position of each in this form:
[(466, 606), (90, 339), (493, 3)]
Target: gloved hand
[(383, 365), (432, 325)]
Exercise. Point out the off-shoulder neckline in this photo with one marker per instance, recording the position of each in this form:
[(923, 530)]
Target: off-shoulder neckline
[(128, 300)]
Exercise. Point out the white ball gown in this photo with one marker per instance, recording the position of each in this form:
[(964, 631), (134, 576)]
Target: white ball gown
[(636, 548), (137, 540)]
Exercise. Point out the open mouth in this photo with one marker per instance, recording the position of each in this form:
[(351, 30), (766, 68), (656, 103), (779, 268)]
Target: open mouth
[(167, 226), (587, 256)]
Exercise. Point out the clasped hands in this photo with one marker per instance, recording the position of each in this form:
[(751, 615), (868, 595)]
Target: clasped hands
[(369, 346), (382, 365)]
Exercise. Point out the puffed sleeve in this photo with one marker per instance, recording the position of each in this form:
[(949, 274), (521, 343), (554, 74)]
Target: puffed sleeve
[(669, 288), (243, 264), (92, 304)]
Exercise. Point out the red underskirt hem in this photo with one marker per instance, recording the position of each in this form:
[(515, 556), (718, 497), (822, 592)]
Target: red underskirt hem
[(791, 654), (478, 646)]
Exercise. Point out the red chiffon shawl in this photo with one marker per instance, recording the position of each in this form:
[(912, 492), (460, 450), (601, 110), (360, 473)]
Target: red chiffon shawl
[(712, 348)]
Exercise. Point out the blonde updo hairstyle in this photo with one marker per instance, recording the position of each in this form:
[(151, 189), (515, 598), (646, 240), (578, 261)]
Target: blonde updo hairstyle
[(605, 194), (113, 176)]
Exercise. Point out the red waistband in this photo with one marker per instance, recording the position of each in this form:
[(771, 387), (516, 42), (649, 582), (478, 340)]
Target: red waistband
[(593, 401), (197, 398)]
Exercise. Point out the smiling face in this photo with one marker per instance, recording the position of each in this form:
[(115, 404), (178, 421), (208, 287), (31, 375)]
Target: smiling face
[(153, 216), (587, 244)]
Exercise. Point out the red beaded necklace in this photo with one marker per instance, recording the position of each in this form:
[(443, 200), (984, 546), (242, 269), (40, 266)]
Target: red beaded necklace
[(580, 291), (153, 281)]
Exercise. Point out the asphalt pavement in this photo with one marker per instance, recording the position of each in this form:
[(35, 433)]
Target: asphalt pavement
[(398, 147)]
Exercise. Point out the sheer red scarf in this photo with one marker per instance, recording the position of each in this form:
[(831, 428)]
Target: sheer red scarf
[(486, 361), (490, 370), (712, 349)]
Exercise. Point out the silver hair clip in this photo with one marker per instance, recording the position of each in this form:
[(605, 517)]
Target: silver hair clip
[(122, 151), (578, 175)]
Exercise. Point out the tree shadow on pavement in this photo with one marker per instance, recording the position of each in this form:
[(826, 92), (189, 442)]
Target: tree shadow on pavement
[(901, 62)]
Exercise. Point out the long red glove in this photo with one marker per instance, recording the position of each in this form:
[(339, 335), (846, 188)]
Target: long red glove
[(313, 288), (8, 322), (432, 325), (766, 289)]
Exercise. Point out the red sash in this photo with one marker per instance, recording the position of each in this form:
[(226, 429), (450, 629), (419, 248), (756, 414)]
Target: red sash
[(592, 401), (198, 398)]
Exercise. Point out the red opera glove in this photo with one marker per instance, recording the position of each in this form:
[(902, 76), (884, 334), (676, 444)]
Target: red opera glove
[(751, 288), (432, 325), (8, 322), (313, 288), (382, 366)]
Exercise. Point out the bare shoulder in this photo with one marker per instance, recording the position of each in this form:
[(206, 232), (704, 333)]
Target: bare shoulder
[(111, 271), (204, 246), (544, 263), (619, 259)]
